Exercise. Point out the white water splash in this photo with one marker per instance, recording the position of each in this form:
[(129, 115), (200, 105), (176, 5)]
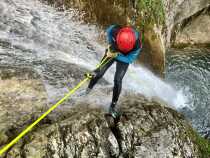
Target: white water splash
[(145, 82)]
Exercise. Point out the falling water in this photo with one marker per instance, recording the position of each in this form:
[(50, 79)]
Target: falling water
[(54, 44), (34, 34)]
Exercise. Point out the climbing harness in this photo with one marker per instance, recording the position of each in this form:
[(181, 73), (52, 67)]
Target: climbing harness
[(25, 131)]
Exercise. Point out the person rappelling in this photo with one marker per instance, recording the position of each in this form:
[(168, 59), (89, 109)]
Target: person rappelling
[(124, 46)]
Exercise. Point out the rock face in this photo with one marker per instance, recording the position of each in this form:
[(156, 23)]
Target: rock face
[(150, 130), (195, 32), (22, 97), (181, 14), (147, 130)]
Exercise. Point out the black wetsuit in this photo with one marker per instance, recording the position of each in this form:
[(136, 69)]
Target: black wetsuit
[(121, 69)]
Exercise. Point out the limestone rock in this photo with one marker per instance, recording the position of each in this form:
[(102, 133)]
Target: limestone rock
[(178, 11), (22, 97), (196, 32), (148, 130), (79, 128)]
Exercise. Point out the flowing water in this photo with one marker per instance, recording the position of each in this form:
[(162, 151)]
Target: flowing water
[(189, 70), (36, 35)]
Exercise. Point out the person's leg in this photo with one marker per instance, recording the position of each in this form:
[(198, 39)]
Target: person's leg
[(99, 73), (121, 69)]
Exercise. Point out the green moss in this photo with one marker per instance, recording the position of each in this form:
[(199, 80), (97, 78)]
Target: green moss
[(202, 143), (204, 146), (151, 12)]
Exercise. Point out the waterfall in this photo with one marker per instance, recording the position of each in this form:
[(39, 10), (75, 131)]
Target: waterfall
[(31, 32)]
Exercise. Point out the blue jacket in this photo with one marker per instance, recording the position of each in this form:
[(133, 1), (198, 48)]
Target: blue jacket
[(133, 54)]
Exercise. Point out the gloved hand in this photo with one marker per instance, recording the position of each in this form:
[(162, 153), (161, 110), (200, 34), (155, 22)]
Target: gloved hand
[(110, 53)]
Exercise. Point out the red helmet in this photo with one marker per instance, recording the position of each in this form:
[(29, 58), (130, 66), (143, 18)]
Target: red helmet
[(126, 39)]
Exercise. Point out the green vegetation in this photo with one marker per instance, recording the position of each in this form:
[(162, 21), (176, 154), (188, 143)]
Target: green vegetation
[(151, 12), (204, 146), (202, 143)]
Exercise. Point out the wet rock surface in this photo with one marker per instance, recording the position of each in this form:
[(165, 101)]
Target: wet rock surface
[(180, 15), (195, 32), (22, 98), (148, 129)]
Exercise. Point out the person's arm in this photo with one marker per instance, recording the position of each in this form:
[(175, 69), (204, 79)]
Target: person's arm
[(109, 32), (132, 56)]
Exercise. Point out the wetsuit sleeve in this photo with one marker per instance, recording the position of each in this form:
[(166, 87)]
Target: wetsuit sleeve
[(131, 57), (109, 31)]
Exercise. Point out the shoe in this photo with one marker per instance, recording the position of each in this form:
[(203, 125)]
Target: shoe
[(112, 111)]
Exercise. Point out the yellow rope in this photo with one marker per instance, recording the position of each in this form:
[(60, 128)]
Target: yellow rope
[(102, 62), (25, 131)]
